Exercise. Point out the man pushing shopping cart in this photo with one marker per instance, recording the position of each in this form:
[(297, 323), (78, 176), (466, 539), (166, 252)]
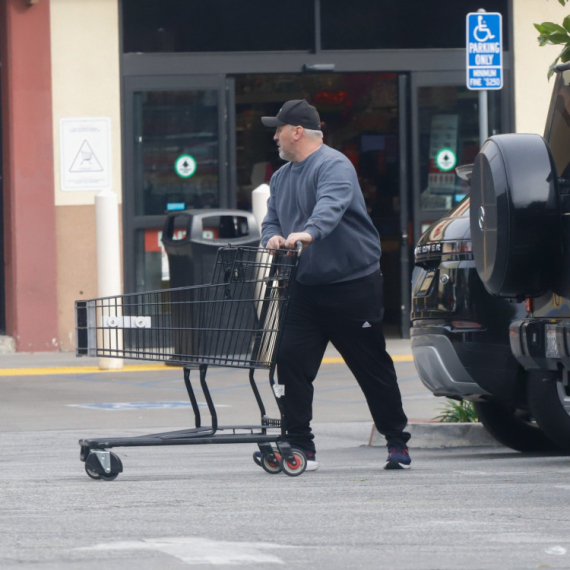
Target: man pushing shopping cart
[(316, 200), (271, 309)]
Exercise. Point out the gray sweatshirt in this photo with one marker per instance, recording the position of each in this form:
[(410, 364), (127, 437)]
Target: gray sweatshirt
[(321, 196)]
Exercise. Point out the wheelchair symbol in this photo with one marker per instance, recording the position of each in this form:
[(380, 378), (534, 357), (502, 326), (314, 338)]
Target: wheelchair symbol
[(481, 32)]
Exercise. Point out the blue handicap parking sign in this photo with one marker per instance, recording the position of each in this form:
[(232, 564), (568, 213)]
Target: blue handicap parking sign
[(484, 50)]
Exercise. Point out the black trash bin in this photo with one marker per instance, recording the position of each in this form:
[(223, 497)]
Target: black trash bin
[(192, 259)]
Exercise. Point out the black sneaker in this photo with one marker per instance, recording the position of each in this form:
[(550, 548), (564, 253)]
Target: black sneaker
[(398, 457)]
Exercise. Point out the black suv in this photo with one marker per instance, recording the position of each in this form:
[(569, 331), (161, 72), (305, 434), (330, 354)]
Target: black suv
[(460, 334), (520, 226)]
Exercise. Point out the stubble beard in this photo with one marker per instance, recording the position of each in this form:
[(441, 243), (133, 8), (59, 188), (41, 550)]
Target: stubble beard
[(284, 155)]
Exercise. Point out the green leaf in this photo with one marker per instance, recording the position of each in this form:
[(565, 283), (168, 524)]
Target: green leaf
[(542, 41), (563, 2), (558, 38), (553, 28), (566, 23), (540, 28), (551, 68)]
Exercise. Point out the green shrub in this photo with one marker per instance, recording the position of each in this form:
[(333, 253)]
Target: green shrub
[(454, 412), (556, 34)]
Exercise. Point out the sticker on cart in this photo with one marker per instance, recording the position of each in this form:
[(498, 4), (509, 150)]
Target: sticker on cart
[(279, 390), (126, 322)]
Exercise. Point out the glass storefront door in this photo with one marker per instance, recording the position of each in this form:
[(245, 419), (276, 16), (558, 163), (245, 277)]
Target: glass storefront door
[(178, 155), (176, 150), (194, 143), (445, 134)]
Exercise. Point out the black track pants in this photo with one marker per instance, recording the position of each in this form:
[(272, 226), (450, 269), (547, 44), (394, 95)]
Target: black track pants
[(348, 314)]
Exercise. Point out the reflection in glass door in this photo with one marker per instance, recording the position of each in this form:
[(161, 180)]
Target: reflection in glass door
[(173, 163), (446, 125)]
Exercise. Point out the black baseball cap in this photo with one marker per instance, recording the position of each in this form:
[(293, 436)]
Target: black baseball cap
[(297, 112)]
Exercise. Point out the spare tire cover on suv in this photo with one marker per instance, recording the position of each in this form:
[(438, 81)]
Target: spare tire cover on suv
[(514, 215)]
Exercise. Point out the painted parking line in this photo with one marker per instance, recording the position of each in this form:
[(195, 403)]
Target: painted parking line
[(114, 406), (80, 370), (60, 370), (201, 551)]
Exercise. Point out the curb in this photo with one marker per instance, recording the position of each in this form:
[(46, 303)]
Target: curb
[(436, 435), (425, 435)]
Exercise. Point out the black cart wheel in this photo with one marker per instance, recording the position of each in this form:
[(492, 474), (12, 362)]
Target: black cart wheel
[(295, 465), (109, 476), (96, 471), (549, 401), (92, 473), (271, 463), (514, 428)]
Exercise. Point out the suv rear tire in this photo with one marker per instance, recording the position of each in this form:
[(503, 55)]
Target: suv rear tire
[(549, 401), (513, 427)]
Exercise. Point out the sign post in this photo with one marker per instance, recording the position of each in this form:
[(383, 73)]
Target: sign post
[(484, 60)]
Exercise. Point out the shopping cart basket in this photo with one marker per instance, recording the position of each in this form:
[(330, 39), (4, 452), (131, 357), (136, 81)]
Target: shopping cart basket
[(236, 321)]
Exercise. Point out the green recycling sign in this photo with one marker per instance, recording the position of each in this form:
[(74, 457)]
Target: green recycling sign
[(185, 165), (445, 159)]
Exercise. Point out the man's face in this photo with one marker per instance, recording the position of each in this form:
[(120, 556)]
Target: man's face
[(284, 137)]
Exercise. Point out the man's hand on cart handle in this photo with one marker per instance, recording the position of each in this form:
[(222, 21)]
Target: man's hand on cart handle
[(275, 242), (297, 241), (305, 238)]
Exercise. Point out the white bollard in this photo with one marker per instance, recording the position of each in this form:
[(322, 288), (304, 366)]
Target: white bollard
[(259, 199), (108, 257)]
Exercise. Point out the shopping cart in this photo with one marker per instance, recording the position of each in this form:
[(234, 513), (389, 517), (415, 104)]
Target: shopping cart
[(236, 321)]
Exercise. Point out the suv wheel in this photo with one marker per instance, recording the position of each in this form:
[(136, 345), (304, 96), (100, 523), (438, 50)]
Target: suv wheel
[(549, 400), (513, 427)]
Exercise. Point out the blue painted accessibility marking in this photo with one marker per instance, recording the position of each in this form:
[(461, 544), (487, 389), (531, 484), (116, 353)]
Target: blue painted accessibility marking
[(113, 406)]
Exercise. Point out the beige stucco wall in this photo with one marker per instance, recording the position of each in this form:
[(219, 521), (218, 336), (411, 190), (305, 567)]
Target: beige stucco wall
[(86, 78), (85, 83), (532, 90)]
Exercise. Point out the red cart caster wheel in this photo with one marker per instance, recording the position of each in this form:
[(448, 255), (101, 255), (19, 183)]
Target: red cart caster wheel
[(294, 466), (271, 464)]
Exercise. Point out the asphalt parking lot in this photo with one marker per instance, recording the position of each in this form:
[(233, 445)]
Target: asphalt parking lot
[(209, 506)]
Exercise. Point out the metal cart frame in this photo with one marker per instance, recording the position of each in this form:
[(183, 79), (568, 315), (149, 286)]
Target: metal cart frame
[(237, 321)]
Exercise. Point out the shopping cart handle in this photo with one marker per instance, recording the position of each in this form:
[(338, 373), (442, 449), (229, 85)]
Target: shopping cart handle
[(298, 248)]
